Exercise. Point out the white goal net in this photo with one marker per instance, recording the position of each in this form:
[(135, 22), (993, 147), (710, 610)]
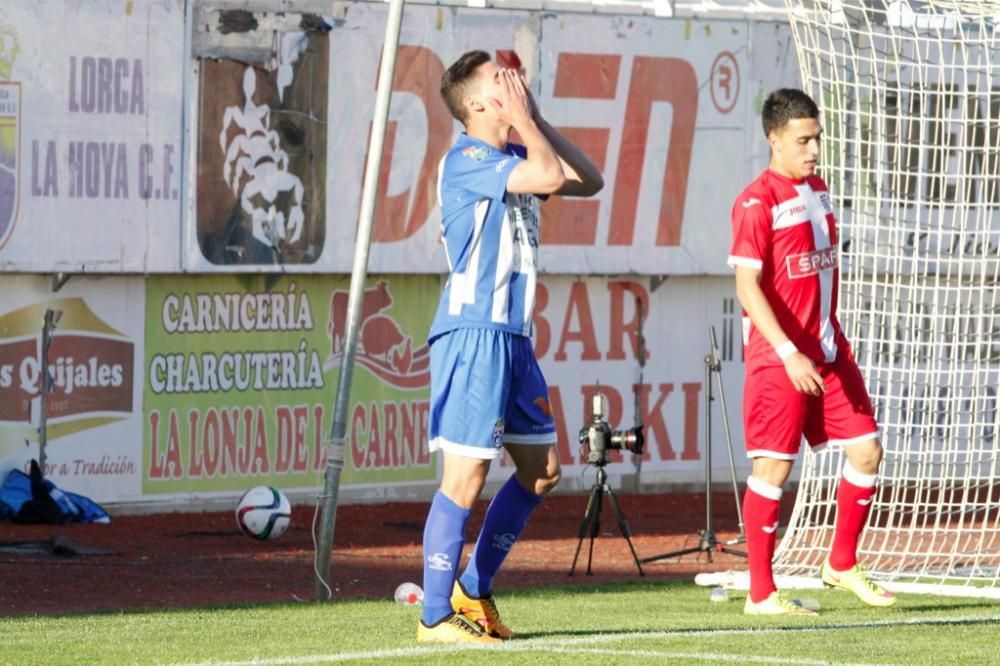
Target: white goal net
[(910, 96)]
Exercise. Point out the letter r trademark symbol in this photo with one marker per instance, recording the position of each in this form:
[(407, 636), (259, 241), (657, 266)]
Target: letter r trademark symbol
[(725, 82)]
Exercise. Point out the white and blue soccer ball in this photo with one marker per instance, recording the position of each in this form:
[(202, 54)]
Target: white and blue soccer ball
[(263, 513)]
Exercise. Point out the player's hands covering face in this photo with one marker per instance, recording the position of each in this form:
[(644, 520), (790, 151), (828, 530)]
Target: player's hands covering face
[(532, 104), (514, 105)]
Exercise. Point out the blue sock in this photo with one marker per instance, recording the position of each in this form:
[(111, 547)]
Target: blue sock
[(505, 520), (444, 536)]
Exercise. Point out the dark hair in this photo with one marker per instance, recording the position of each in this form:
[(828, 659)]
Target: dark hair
[(786, 104), (455, 80)]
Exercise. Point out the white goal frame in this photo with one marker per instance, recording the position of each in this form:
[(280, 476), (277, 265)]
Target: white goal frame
[(910, 96)]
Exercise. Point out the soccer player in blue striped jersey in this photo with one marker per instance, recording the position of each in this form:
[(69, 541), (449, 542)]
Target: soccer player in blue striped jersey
[(487, 391)]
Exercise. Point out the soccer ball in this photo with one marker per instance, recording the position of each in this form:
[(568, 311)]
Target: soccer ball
[(263, 513)]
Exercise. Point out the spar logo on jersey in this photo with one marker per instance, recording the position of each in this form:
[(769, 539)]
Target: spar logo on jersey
[(10, 123), (476, 153), (811, 263)]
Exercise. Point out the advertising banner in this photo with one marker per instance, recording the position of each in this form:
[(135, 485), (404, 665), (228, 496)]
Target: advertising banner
[(641, 344), (242, 373), (668, 109), (93, 409), (99, 176), (656, 105), (240, 377), (200, 387), (90, 136)]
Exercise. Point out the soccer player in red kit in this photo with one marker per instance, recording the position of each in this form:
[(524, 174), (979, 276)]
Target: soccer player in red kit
[(801, 378)]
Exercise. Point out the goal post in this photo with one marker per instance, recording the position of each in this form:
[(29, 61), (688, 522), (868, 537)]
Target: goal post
[(910, 100)]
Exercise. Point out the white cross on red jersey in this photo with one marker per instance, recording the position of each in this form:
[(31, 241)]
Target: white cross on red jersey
[(786, 228)]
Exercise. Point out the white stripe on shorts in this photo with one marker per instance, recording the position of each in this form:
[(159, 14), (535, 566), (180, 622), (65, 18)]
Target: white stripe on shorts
[(464, 450), (544, 438)]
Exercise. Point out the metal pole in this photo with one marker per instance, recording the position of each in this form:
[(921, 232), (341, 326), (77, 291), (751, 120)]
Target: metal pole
[(45, 385), (335, 445), (708, 448), (729, 436)]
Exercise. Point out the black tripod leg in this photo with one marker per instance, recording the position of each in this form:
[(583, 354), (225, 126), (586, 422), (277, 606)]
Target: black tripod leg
[(707, 542), (589, 521), (595, 524), (623, 526)]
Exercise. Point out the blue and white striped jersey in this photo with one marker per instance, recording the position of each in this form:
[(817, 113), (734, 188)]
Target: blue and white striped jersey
[(491, 239)]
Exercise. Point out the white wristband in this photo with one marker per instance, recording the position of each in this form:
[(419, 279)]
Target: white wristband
[(786, 349)]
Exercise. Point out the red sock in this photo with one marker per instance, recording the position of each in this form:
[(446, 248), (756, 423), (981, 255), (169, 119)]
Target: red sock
[(854, 501), (760, 519)]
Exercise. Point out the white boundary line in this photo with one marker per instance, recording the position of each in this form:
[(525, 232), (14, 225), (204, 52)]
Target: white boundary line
[(740, 580), (578, 645), (712, 657)]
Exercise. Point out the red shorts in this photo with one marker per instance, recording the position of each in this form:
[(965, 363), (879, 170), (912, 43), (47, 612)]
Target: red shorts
[(776, 416)]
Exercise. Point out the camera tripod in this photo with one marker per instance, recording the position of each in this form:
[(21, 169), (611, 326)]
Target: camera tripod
[(591, 523), (707, 542)]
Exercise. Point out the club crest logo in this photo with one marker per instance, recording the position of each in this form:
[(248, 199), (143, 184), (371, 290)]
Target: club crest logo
[(824, 199), (476, 153), (10, 130)]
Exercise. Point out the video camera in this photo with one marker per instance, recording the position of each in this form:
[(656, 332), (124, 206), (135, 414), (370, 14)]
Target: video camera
[(598, 438)]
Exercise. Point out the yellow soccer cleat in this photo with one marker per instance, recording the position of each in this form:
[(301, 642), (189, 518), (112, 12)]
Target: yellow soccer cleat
[(856, 580), (456, 628), (483, 611), (775, 605)]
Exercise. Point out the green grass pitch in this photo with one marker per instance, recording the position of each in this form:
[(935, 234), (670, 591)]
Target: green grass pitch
[(641, 622)]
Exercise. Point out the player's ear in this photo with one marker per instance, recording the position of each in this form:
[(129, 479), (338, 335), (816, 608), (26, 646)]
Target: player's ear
[(474, 104)]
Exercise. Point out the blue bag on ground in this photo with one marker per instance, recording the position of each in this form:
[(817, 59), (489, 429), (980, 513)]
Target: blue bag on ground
[(30, 498)]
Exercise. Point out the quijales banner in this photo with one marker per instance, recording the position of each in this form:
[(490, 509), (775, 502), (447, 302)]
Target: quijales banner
[(93, 408)]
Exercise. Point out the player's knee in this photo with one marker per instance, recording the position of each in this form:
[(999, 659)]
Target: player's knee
[(877, 452), (549, 482), (462, 491), (542, 481), (771, 471), (866, 457)]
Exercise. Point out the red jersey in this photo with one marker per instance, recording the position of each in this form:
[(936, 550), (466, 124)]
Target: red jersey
[(786, 228)]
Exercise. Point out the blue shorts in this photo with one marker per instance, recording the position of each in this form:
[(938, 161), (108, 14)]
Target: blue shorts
[(486, 391)]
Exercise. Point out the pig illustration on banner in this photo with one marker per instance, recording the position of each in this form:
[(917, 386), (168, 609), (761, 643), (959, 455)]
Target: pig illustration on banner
[(384, 347)]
